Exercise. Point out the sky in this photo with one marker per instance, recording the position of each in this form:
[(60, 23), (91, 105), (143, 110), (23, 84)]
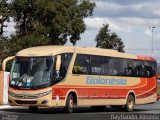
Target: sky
[(130, 19)]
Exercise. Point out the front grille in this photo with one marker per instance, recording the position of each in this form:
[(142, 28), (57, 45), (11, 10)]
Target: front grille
[(26, 96), (25, 102)]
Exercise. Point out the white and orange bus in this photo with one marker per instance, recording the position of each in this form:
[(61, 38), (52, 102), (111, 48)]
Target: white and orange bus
[(61, 76)]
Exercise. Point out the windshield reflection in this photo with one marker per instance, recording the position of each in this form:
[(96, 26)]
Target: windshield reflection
[(32, 72)]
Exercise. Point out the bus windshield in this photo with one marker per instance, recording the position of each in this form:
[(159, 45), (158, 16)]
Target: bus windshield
[(32, 72)]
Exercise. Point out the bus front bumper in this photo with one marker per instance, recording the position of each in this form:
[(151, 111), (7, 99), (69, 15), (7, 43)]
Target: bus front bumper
[(43, 99)]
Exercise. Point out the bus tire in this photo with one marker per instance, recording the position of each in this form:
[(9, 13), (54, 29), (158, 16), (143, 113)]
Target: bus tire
[(33, 109), (69, 104), (98, 108), (130, 103)]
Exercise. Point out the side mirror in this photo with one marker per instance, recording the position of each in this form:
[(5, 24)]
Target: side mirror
[(58, 63)]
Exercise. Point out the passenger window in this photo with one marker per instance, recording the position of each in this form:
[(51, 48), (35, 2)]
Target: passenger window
[(97, 65), (116, 68), (130, 67), (153, 68), (107, 65), (65, 58), (81, 65), (123, 67), (103, 65), (139, 69), (150, 69), (144, 68), (110, 66)]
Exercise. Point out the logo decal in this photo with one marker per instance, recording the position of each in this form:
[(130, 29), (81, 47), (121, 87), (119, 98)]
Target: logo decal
[(105, 81)]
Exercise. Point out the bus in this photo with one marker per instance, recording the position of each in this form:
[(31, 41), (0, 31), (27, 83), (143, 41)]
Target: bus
[(63, 76)]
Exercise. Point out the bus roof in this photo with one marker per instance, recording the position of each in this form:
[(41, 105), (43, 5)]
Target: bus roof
[(40, 51)]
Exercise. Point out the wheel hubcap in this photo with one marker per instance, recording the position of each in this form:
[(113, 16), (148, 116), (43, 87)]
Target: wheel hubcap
[(130, 104), (71, 104)]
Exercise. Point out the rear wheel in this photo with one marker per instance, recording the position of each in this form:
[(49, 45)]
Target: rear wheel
[(98, 108), (33, 109), (69, 104), (130, 103)]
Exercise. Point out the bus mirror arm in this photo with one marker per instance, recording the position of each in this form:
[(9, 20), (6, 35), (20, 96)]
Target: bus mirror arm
[(5, 61)]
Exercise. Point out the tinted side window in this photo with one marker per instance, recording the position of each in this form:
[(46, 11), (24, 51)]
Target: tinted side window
[(144, 68), (111, 66), (137, 66), (65, 58), (150, 68), (81, 65), (117, 66), (97, 65), (123, 67), (107, 65)]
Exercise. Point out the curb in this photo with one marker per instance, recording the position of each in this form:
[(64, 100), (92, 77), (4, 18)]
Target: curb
[(4, 106)]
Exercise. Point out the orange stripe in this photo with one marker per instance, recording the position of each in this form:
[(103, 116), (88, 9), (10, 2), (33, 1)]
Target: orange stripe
[(110, 91), (149, 93), (146, 58), (91, 97)]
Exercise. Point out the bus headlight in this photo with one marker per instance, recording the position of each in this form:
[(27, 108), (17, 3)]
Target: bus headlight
[(11, 94), (44, 93)]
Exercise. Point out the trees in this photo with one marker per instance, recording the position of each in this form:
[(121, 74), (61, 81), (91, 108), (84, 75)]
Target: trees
[(51, 19), (42, 22), (4, 15), (4, 49), (108, 40)]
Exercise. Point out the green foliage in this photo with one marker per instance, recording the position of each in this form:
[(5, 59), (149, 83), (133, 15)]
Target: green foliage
[(108, 40), (57, 20), (42, 22), (4, 14), (18, 43), (3, 8), (4, 49), (10, 46)]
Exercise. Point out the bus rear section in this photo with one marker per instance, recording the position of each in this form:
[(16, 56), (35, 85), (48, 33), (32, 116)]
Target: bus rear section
[(98, 80)]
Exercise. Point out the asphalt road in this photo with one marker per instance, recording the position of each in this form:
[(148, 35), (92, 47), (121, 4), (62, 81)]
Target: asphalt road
[(144, 112)]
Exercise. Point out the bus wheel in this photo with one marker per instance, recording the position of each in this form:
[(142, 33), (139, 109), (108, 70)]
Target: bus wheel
[(98, 108), (33, 109), (130, 103), (69, 104)]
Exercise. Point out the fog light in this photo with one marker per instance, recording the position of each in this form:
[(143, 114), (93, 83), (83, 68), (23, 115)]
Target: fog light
[(44, 102)]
